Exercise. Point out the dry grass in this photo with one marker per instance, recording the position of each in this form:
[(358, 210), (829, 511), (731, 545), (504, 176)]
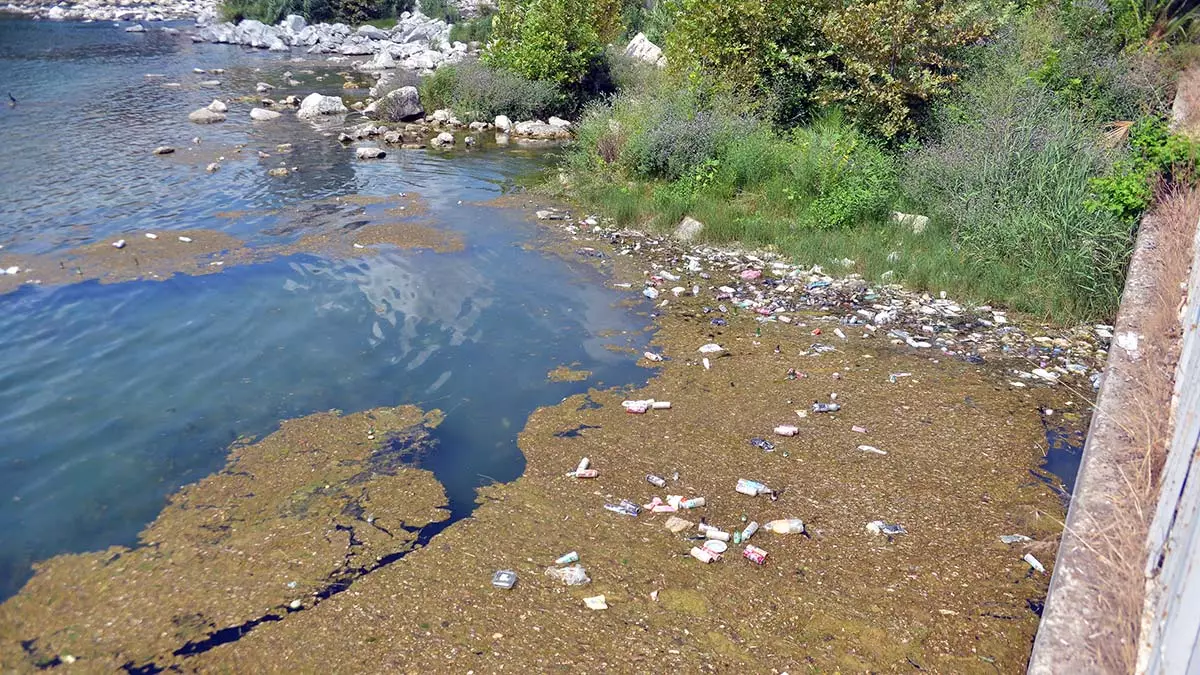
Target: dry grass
[(1186, 109), (1119, 543)]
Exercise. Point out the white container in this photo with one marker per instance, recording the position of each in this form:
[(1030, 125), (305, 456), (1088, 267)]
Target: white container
[(717, 534), (704, 555), (787, 430), (583, 465), (716, 546)]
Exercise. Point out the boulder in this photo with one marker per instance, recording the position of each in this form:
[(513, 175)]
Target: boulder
[(218, 106), (135, 28), (164, 150), (688, 229), (56, 14), (205, 116), (381, 61), (559, 122), (263, 87), (478, 126), (404, 105), (370, 153), (277, 44), (372, 33), (917, 223), (294, 23), (316, 105), (264, 115), (503, 123), (539, 130), (444, 139), (642, 49), (441, 115)]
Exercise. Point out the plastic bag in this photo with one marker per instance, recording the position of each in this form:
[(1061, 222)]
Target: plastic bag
[(574, 575)]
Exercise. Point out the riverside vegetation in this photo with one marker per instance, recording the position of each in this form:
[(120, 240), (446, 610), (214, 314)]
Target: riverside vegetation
[(1033, 135)]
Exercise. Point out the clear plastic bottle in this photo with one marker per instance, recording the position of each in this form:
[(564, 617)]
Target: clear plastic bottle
[(785, 526)]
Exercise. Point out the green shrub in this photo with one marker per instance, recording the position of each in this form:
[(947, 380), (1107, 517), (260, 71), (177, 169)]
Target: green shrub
[(1011, 174), (478, 29), (560, 41), (440, 9), (476, 92), (1158, 156)]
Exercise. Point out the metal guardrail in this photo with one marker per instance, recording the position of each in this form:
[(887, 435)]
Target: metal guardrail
[(1170, 640)]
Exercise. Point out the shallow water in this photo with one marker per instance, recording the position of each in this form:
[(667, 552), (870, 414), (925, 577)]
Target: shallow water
[(111, 396)]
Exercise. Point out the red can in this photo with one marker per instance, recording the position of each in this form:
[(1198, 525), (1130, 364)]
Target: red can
[(755, 554)]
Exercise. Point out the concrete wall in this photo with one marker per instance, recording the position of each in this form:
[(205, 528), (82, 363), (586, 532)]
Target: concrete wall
[(1170, 641)]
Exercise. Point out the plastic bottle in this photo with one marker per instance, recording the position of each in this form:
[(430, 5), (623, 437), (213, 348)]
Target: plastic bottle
[(749, 531), (567, 559), (693, 503), (785, 526)]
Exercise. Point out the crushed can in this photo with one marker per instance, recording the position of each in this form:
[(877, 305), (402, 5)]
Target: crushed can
[(587, 473), (750, 530), (505, 579), (704, 555), (825, 407), (693, 503), (657, 481), (754, 554), (567, 559)]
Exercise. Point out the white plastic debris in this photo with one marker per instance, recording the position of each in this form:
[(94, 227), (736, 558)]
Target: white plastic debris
[(11, 270), (596, 602), (1034, 563), (151, 235), (872, 449), (186, 240), (1014, 538), (711, 348), (120, 243)]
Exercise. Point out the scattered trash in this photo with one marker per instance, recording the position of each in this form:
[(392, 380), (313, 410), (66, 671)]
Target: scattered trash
[(838, 332), (754, 554), (676, 524), (186, 240), (1045, 374), (657, 505), (763, 444), (11, 270), (717, 546), (858, 429), (1014, 538), (574, 575), (873, 449), (596, 602), (749, 531), (751, 275), (151, 235), (625, 508), (120, 243), (693, 503), (587, 473), (651, 356), (753, 488), (890, 529), (704, 555), (787, 430), (640, 407), (785, 526), (504, 579), (711, 348), (650, 292), (1034, 563), (707, 365), (657, 481), (825, 407), (720, 535)]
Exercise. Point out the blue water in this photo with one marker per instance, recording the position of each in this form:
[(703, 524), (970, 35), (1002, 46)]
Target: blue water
[(112, 396)]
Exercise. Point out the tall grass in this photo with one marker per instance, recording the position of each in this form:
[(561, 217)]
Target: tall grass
[(475, 92)]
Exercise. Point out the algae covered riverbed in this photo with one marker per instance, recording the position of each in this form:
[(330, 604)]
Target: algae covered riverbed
[(962, 447)]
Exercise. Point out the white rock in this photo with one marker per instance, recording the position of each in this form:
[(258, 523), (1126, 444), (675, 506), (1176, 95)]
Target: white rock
[(186, 240), (370, 153), (205, 116), (264, 115), (503, 123), (444, 139), (559, 122), (315, 105), (642, 49), (151, 235), (688, 229), (916, 222), (136, 28), (218, 106), (263, 87)]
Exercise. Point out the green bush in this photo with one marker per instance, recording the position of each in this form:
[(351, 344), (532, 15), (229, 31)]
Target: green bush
[(440, 9), (353, 12), (1158, 156), (561, 41), (476, 92), (1011, 175), (478, 29)]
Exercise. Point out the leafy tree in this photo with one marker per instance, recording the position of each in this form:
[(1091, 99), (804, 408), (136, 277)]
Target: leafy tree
[(556, 40), (890, 57)]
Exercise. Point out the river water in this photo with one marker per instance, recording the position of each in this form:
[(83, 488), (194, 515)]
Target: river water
[(114, 395)]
